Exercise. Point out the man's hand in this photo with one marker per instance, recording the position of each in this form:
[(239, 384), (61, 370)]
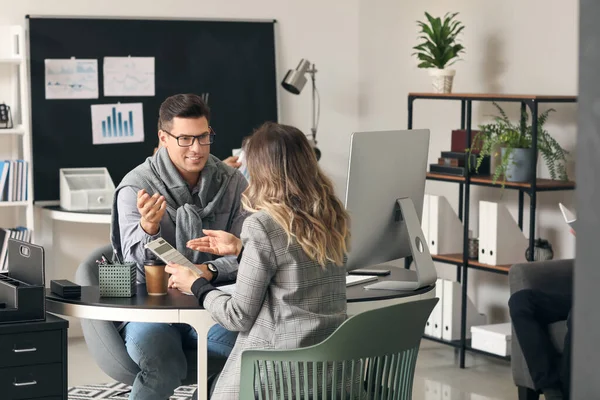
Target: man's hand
[(220, 243), (151, 208), (233, 162), (182, 278)]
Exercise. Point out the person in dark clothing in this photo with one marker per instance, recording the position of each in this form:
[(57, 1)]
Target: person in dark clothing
[(531, 312)]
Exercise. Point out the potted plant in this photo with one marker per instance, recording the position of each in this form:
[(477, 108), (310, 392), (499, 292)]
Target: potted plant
[(439, 49), (513, 143)]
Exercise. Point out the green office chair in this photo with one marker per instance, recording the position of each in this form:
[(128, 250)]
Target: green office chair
[(371, 355)]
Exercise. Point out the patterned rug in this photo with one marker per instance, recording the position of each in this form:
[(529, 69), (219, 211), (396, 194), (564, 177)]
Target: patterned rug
[(119, 391)]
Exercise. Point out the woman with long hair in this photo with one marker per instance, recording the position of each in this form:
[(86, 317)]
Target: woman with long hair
[(291, 287)]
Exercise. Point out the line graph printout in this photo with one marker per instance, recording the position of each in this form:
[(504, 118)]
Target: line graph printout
[(129, 76), (71, 78)]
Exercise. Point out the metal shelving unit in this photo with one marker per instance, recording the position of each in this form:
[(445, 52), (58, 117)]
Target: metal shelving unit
[(462, 261)]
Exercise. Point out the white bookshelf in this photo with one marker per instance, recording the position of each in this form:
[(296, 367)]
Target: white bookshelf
[(16, 130), (16, 141), (14, 203)]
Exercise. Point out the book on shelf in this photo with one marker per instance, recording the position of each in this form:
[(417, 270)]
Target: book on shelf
[(456, 163), (19, 233), (13, 180)]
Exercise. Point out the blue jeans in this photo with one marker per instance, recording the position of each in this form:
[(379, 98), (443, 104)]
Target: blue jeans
[(159, 350)]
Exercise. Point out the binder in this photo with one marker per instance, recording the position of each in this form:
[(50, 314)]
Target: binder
[(441, 226), (451, 311), (433, 326), (450, 393), (501, 241), (19, 182), (436, 314), (12, 179), (4, 168), (433, 390)]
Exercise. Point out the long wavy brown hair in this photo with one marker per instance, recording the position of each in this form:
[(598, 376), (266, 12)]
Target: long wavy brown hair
[(287, 183)]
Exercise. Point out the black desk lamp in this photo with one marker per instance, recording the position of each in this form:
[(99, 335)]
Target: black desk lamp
[(294, 82)]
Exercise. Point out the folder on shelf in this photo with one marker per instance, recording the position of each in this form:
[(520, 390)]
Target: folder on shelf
[(501, 241), (451, 312), (19, 233), (433, 326), (433, 390), (19, 184), (441, 227), (451, 393), (13, 180), (4, 168)]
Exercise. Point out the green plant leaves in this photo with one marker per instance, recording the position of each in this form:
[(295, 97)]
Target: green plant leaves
[(439, 47), (505, 134)]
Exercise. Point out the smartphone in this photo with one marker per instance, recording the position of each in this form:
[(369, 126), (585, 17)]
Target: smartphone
[(364, 271)]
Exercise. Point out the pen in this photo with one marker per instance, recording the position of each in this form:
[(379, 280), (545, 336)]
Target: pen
[(105, 259), (117, 256)]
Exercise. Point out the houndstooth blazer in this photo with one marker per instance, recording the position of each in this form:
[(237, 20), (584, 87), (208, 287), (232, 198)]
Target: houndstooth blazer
[(282, 300)]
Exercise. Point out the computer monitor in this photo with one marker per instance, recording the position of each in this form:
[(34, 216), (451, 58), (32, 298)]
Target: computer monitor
[(384, 197)]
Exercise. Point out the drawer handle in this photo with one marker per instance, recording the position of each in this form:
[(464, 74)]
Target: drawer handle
[(19, 384), (30, 350)]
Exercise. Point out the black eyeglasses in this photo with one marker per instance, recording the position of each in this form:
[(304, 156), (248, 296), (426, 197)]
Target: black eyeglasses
[(186, 141)]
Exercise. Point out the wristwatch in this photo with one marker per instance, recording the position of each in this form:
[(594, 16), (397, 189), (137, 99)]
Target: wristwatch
[(214, 271)]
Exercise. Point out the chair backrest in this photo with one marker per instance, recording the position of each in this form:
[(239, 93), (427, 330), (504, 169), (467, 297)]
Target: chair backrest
[(104, 341), (371, 355), (88, 272)]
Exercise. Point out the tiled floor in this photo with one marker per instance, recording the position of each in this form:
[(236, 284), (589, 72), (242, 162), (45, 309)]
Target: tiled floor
[(438, 376)]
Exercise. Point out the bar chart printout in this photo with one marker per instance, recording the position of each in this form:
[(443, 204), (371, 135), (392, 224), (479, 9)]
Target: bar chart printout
[(117, 123)]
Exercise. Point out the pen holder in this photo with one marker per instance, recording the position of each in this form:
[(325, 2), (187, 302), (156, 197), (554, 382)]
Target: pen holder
[(118, 280)]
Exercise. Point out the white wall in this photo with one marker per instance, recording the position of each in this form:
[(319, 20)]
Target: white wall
[(512, 46)]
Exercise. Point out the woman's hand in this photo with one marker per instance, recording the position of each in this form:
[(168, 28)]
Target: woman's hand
[(233, 162), (220, 243), (182, 278)]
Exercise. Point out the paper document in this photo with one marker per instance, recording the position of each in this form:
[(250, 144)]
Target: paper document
[(117, 123), (241, 159), (129, 76), (163, 250), (71, 79), (567, 215)]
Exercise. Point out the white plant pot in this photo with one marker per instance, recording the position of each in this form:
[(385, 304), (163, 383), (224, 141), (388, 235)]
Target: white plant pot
[(442, 79)]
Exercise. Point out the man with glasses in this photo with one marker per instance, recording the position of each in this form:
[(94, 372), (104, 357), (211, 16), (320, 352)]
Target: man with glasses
[(175, 194)]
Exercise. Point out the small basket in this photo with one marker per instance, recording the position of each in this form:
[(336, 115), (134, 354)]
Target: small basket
[(118, 280)]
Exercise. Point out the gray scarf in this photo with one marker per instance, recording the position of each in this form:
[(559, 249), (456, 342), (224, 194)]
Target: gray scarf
[(158, 175)]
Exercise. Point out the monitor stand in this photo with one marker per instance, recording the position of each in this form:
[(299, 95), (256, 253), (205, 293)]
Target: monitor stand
[(426, 272)]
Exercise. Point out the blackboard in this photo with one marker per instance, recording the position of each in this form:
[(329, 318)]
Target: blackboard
[(233, 61)]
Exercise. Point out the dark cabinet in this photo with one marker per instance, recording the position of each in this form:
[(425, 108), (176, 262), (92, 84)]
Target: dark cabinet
[(33, 360)]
